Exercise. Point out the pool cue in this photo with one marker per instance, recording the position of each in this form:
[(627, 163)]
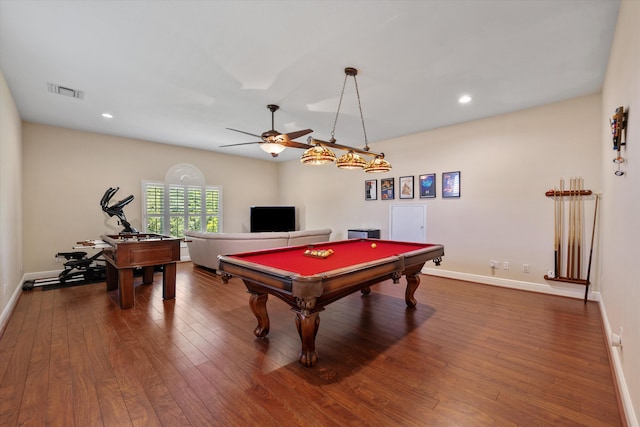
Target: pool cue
[(593, 234), (576, 223), (555, 232), (580, 220), (574, 205), (576, 226), (570, 231), (561, 226)]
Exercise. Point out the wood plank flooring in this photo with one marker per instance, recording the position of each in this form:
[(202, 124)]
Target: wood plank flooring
[(468, 355)]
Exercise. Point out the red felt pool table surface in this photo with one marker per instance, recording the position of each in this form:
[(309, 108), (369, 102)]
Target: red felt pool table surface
[(347, 253)]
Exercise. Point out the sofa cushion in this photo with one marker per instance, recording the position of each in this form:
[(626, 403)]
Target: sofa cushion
[(306, 237)]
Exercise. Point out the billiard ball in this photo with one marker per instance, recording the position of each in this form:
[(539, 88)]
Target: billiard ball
[(373, 245)]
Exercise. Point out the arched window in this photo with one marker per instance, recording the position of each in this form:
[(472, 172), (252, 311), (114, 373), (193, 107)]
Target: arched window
[(182, 202)]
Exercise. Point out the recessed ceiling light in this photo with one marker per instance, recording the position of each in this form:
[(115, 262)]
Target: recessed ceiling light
[(107, 115), (464, 99)]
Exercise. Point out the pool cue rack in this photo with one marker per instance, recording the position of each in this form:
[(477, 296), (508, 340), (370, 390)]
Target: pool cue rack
[(557, 193), (572, 270)]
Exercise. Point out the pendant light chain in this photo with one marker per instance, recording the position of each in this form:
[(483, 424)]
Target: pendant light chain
[(366, 142), (335, 122)]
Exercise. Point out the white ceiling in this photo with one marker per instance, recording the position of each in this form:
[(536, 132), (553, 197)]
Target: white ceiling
[(181, 72)]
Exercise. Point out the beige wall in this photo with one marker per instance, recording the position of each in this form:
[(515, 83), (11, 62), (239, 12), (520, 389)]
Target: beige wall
[(66, 173), (621, 204), (10, 201), (506, 163)]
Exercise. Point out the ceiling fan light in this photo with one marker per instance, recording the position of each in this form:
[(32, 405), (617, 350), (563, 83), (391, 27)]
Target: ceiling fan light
[(351, 160), (378, 164), (318, 155), (272, 147)]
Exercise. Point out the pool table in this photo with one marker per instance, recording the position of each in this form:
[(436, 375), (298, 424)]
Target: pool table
[(312, 276)]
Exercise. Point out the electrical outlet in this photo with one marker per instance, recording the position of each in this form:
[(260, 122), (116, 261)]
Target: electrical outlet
[(494, 264), (505, 265), (616, 339), (525, 268)]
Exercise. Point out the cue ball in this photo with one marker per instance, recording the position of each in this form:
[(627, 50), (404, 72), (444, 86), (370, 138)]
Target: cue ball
[(373, 245)]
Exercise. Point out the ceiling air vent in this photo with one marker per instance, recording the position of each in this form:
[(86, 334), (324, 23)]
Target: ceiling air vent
[(61, 90)]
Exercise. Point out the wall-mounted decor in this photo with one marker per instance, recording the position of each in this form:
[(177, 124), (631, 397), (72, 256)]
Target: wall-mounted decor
[(451, 184), (406, 187), (427, 185), (387, 189), (371, 189), (618, 126)]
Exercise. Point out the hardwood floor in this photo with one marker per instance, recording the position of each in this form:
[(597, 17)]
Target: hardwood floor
[(468, 355)]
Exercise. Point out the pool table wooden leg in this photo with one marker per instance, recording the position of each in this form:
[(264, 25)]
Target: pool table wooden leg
[(307, 325), (413, 281), (258, 303)]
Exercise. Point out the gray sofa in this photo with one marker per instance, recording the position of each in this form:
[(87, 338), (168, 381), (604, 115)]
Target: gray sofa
[(204, 247)]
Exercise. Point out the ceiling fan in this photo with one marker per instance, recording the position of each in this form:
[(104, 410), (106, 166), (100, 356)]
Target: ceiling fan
[(272, 141)]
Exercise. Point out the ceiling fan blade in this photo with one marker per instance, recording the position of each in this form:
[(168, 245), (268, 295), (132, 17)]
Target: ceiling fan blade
[(242, 143), (275, 137), (294, 144), (296, 134), (246, 133)]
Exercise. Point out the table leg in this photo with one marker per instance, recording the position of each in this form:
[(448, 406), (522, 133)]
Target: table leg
[(169, 281), (258, 304), (307, 325), (112, 277), (413, 281), (147, 274), (125, 287)]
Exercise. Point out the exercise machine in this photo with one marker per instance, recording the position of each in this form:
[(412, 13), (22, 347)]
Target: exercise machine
[(116, 209), (78, 270)]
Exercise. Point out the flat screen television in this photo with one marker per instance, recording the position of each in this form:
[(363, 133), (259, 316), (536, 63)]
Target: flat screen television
[(273, 218)]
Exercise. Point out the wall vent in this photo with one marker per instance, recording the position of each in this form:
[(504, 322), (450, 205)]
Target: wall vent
[(65, 91)]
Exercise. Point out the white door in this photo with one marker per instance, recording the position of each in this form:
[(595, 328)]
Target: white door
[(408, 223)]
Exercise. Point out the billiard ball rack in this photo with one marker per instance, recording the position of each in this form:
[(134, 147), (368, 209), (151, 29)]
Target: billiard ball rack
[(318, 253)]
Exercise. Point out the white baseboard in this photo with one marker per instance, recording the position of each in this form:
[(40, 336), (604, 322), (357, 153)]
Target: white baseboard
[(556, 288), (627, 403), (8, 309)]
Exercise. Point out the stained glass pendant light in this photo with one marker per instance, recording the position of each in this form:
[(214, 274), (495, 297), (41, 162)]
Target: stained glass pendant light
[(351, 160), (378, 164), (318, 155)]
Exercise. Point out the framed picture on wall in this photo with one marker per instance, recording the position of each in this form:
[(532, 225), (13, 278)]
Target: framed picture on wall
[(371, 189), (405, 183), (387, 189), (451, 184), (427, 185)]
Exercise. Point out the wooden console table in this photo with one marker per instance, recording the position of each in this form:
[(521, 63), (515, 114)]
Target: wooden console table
[(126, 252)]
